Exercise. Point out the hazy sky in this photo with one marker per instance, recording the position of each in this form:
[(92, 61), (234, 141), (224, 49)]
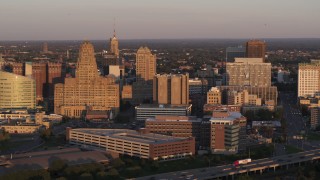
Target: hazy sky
[(154, 19)]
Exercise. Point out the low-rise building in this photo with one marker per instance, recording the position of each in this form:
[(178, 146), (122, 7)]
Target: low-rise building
[(227, 132), (198, 86), (145, 111), (209, 108), (315, 117), (214, 96), (23, 128), (177, 126), (140, 144)]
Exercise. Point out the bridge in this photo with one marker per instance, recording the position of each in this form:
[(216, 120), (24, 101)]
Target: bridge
[(258, 166)]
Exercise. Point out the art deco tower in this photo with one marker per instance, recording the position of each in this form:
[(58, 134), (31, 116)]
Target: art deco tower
[(145, 65), (87, 89), (114, 45)]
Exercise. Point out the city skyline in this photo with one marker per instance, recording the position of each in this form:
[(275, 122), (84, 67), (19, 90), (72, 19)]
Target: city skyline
[(38, 20)]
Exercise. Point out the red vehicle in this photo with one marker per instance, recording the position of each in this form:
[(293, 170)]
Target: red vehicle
[(242, 161)]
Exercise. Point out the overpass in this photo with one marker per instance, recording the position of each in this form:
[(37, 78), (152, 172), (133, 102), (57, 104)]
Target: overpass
[(229, 171)]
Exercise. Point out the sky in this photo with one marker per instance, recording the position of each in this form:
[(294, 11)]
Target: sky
[(158, 19)]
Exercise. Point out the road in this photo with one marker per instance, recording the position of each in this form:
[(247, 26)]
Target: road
[(296, 123), (257, 166)]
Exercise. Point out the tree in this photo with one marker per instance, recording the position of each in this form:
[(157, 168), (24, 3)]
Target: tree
[(86, 176), (57, 166), (101, 175), (117, 163), (113, 173), (155, 165), (45, 134)]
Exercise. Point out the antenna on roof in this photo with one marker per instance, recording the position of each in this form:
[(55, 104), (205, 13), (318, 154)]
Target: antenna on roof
[(114, 27)]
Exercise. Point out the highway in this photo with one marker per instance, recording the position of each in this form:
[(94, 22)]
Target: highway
[(256, 166)]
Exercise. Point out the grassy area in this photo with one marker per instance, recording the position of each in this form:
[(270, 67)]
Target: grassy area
[(292, 149), (313, 136), (9, 145), (52, 142)]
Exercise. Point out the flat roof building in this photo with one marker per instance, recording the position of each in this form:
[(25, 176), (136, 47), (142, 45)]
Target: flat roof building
[(145, 111), (228, 131), (177, 126), (140, 144), (309, 78)]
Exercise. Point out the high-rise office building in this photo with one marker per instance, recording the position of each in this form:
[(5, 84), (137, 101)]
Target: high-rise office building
[(87, 89), (235, 52), (171, 89), (249, 72), (114, 45), (39, 73), (145, 65), (256, 49), (309, 78), (17, 91)]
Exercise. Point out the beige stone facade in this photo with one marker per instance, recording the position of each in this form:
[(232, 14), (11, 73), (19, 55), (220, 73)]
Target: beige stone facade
[(87, 89), (214, 96), (145, 65), (171, 89), (309, 78), (249, 72), (243, 98)]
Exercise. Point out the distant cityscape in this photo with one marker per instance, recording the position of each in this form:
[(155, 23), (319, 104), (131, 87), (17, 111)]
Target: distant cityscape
[(129, 112)]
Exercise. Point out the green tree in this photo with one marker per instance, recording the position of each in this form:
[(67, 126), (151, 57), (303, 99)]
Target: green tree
[(57, 166), (117, 163), (86, 176), (46, 134), (244, 177), (101, 175), (113, 173), (155, 165)]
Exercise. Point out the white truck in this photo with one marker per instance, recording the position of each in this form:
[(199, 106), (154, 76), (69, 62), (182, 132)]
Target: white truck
[(242, 161)]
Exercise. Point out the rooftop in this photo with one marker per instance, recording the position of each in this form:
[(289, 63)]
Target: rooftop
[(175, 119), (130, 135), (225, 116), (164, 106)]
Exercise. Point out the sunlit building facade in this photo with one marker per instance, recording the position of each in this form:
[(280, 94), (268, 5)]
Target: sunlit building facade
[(87, 89), (17, 91)]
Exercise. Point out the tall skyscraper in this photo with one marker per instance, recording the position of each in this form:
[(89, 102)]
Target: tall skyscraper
[(235, 52), (114, 45), (249, 72), (171, 89), (309, 78), (17, 91), (145, 65), (256, 49), (87, 89), (39, 73)]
